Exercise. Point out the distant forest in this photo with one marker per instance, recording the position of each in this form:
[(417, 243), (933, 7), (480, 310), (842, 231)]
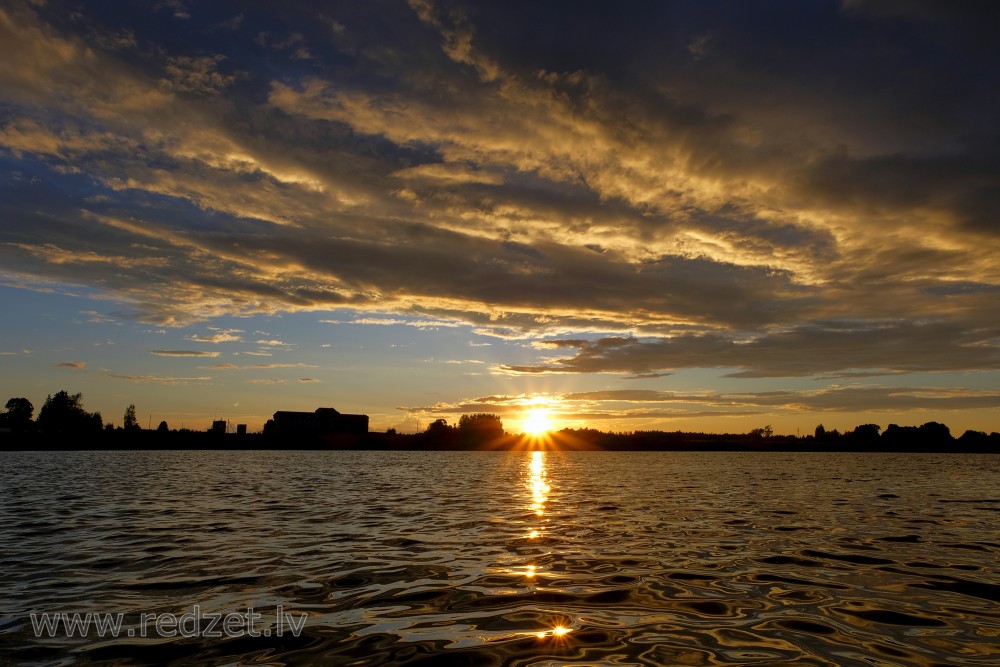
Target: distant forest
[(63, 424)]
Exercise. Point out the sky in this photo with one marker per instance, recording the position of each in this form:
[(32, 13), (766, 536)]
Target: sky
[(700, 216)]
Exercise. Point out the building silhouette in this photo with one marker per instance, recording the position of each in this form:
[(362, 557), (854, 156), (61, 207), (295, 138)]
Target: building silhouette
[(323, 421)]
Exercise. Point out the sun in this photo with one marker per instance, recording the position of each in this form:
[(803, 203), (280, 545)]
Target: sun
[(537, 422)]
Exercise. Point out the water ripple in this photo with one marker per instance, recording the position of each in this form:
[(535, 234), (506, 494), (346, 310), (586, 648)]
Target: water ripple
[(449, 558)]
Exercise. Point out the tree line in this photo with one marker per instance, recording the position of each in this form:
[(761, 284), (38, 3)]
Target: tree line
[(930, 436), (63, 413)]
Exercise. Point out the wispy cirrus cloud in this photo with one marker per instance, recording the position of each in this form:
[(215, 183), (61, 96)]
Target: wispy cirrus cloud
[(237, 367), (390, 321), (158, 379), (219, 337), (183, 353)]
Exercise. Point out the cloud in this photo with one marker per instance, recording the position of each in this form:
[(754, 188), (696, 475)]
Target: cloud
[(56, 255), (856, 398), (881, 348), (72, 365), (625, 404), (701, 194), (309, 380), (449, 173), (295, 365), (236, 367), (389, 321), (183, 353), (158, 379), (221, 337), (197, 74)]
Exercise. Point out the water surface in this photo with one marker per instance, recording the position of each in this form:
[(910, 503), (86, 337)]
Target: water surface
[(469, 558)]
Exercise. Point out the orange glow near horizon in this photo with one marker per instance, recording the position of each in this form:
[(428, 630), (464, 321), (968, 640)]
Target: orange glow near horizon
[(537, 422)]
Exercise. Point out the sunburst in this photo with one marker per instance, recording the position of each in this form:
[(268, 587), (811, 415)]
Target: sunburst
[(537, 422)]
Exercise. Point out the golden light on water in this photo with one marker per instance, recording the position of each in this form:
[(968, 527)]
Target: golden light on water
[(557, 633), (539, 488), (538, 483)]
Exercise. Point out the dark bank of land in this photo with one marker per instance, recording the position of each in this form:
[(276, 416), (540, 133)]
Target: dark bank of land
[(931, 437), (63, 424)]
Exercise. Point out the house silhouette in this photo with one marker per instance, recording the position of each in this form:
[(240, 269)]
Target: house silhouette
[(323, 421)]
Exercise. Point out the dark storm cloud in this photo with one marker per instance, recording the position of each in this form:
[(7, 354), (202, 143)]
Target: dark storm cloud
[(724, 180), (959, 189), (804, 350)]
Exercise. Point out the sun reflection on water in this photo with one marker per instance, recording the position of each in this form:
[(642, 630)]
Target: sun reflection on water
[(538, 483), (539, 487), (557, 631)]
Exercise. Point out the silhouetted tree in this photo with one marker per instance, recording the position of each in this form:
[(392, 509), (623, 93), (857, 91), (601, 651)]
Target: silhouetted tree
[(931, 435), (19, 412), (439, 427), (895, 435), (481, 424), (64, 413), (974, 439), (865, 434), (439, 435), (820, 433), (130, 423), (765, 432), (935, 433), (162, 428)]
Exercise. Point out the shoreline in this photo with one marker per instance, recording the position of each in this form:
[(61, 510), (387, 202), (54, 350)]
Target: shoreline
[(144, 440)]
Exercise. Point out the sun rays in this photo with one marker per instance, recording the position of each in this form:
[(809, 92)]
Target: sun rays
[(537, 422)]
